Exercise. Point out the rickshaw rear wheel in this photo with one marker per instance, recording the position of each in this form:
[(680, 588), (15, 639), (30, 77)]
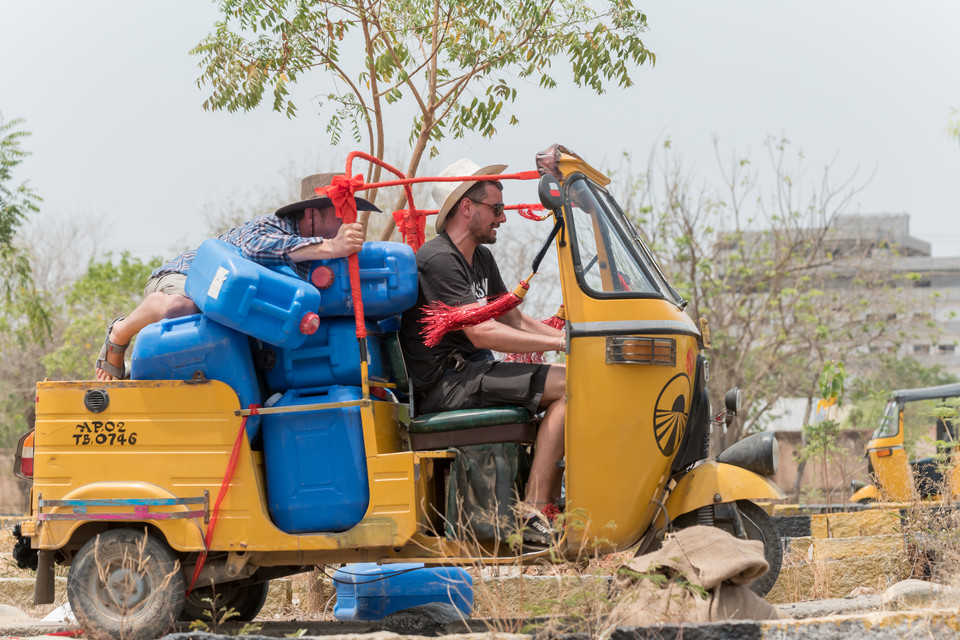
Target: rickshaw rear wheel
[(247, 600), (125, 583)]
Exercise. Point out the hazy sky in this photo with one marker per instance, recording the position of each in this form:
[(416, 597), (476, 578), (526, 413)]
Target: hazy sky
[(108, 91)]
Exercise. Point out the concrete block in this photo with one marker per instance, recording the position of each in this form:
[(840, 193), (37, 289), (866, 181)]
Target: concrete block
[(872, 522), (814, 578)]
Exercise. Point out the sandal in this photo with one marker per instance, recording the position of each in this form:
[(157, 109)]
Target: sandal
[(112, 347)]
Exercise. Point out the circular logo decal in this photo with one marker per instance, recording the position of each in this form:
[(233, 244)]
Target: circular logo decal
[(669, 414)]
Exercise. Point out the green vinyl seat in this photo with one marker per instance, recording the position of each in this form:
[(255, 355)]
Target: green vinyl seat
[(472, 426)]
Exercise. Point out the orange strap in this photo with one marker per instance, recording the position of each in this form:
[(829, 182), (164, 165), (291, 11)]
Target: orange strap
[(231, 467)]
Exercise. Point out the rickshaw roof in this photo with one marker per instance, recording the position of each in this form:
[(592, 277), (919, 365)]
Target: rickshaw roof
[(570, 164), (927, 393)]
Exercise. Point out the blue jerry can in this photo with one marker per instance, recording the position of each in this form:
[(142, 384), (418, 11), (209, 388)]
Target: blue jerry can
[(368, 591), (246, 296)]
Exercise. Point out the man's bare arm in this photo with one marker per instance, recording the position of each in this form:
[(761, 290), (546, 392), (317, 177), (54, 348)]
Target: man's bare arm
[(348, 241), (502, 337)]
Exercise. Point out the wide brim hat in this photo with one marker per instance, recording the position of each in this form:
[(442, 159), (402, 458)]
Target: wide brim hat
[(310, 199), (449, 193)]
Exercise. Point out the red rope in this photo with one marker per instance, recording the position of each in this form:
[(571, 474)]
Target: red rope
[(411, 222), (231, 467)]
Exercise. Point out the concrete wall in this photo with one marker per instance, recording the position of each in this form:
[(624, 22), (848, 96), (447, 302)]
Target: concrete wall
[(814, 486)]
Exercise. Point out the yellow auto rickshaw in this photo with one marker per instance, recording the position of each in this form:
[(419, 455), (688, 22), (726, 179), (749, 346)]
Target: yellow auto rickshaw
[(897, 478), (110, 460)]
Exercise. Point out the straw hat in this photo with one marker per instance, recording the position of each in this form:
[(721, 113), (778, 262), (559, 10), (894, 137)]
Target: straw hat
[(310, 200), (449, 193)]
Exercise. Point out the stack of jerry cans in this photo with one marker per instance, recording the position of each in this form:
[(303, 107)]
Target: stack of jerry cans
[(315, 459)]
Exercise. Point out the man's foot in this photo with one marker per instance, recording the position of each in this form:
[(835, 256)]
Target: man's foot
[(536, 528), (110, 365)]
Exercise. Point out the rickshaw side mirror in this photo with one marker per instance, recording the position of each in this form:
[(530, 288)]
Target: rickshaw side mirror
[(551, 193), (733, 400)]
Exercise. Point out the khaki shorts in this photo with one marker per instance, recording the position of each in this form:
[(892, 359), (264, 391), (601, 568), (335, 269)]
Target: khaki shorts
[(487, 384), (169, 283)]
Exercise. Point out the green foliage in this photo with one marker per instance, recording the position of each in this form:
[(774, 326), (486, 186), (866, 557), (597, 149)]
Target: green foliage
[(455, 65), (16, 202), (108, 289), (832, 379)]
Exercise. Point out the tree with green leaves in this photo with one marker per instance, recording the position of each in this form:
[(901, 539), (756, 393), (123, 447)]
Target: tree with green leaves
[(453, 67)]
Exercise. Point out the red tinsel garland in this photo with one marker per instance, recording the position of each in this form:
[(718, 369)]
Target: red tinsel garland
[(439, 319)]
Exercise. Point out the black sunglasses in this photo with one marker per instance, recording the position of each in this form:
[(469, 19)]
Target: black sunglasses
[(497, 208)]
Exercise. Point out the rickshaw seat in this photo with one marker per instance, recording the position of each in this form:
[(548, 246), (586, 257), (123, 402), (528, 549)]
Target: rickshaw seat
[(471, 426)]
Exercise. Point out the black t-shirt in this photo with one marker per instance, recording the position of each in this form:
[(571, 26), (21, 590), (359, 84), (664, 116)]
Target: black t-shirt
[(445, 275)]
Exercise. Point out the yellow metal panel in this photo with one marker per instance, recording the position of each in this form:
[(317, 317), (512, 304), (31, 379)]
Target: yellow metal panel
[(893, 471), (183, 434), (715, 482)]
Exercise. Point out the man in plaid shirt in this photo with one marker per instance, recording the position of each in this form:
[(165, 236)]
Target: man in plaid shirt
[(297, 234)]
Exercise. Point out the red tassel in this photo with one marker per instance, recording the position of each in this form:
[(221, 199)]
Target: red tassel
[(440, 319), (556, 321)]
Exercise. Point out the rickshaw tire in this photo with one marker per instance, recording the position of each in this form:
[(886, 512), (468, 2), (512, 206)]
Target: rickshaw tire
[(247, 600), (121, 585), (759, 526)]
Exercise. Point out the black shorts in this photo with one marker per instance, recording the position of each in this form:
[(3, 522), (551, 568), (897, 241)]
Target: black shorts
[(487, 384)]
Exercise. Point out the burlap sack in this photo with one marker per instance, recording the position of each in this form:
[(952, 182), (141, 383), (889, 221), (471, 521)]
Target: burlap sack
[(698, 575)]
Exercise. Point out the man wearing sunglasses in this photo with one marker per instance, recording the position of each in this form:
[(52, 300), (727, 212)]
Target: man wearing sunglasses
[(460, 372)]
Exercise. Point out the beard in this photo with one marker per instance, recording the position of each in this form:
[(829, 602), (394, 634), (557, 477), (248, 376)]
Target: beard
[(484, 234)]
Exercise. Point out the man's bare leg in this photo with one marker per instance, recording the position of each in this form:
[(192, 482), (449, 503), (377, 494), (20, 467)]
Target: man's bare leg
[(543, 484), (155, 307)]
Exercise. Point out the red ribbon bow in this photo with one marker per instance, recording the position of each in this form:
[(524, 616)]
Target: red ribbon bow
[(340, 191), (411, 224)]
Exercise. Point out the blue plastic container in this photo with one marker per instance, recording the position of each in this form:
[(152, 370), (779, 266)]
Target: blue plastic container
[(177, 348), (246, 296), (368, 591), (388, 281), (329, 356), (316, 464)]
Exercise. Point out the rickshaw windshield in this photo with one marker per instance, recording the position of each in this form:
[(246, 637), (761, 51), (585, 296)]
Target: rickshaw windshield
[(610, 259), (889, 421)]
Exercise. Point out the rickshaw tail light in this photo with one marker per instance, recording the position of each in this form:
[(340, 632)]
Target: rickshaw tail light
[(23, 457), (884, 453), (641, 350)]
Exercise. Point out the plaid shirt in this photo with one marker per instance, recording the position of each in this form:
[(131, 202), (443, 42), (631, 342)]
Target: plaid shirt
[(266, 240)]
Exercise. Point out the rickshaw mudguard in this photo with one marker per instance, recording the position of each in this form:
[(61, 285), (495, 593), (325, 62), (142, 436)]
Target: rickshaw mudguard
[(134, 507), (717, 482), (869, 492)]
